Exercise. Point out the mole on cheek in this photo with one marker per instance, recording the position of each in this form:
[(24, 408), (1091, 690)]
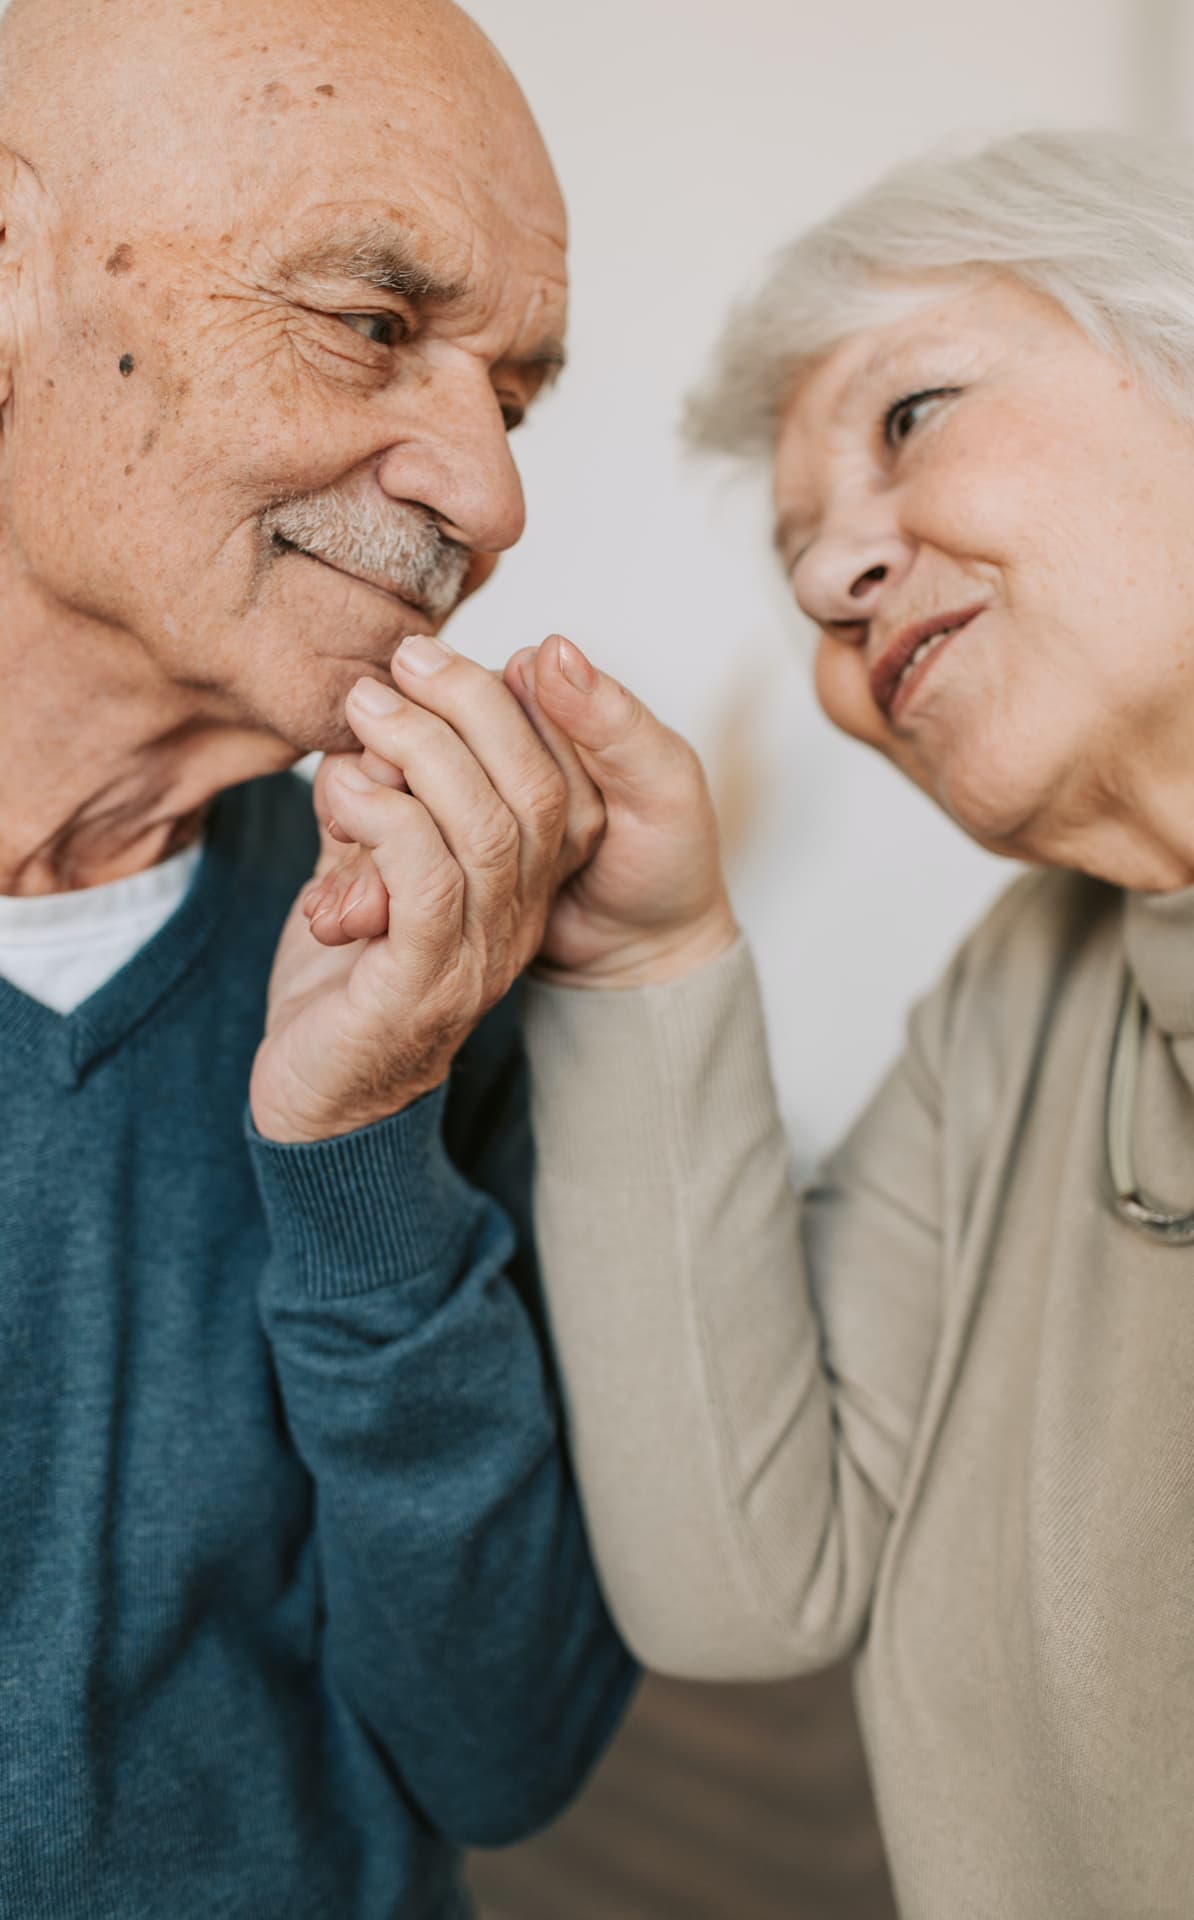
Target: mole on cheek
[(328, 92), (127, 363), (121, 261)]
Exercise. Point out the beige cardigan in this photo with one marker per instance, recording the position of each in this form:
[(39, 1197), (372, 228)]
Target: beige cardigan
[(938, 1410)]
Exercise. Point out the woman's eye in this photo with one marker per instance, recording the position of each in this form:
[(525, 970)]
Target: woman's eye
[(383, 329), (901, 420)]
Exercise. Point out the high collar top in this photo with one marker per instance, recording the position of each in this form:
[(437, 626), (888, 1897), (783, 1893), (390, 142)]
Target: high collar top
[(1159, 943)]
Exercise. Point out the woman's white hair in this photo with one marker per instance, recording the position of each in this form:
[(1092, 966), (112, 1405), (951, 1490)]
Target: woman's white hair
[(1101, 222)]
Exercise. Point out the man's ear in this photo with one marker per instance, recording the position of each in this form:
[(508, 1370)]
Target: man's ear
[(9, 166), (16, 178)]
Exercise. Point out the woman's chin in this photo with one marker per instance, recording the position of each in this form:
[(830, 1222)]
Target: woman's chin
[(1002, 815)]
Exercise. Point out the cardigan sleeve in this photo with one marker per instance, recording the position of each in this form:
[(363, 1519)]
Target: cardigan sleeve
[(744, 1364)]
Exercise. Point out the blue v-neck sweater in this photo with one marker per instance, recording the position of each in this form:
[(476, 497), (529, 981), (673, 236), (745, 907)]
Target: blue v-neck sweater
[(294, 1595)]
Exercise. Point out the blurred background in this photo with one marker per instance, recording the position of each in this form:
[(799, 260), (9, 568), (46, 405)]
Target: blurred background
[(693, 137)]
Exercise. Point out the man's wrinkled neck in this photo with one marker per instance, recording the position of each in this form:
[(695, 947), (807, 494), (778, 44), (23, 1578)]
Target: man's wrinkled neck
[(107, 767)]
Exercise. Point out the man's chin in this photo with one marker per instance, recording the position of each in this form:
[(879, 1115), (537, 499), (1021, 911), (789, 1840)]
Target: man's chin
[(306, 708), (339, 739)]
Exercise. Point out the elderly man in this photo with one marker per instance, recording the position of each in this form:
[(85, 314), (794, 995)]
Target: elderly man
[(294, 1596)]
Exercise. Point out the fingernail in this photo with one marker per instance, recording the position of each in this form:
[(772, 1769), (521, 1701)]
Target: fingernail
[(350, 775), (354, 899), (574, 667), (311, 899), (424, 654), (375, 698), (527, 672)]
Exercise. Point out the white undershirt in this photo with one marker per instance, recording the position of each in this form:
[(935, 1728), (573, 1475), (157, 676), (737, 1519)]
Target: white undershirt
[(61, 947)]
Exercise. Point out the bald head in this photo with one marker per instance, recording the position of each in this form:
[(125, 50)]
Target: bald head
[(267, 270), (148, 98)]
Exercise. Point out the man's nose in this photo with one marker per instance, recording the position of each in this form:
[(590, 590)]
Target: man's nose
[(453, 459), (844, 575)]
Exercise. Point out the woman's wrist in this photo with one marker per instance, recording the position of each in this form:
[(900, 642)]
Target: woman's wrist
[(649, 959)]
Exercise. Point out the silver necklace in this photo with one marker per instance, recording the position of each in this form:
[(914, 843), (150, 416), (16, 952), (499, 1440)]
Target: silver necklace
[(1131, 1202)]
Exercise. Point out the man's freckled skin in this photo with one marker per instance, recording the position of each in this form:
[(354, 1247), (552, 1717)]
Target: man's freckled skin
[(251, 390)]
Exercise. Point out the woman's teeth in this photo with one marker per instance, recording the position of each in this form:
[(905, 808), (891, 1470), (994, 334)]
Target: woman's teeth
[(923, 651)]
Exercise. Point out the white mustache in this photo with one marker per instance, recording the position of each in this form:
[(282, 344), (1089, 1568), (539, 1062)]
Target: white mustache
[(363, 535)]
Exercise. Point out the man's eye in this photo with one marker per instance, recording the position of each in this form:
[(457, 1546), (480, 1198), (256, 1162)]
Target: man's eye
[(901, 420), (383, 329)]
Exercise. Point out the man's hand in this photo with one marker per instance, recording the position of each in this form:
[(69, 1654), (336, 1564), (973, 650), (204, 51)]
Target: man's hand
[(650, 904), (465, 826)]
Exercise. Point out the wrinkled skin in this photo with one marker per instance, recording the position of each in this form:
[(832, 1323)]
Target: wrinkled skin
[(1037, 482), (250, 257), (184, 172)]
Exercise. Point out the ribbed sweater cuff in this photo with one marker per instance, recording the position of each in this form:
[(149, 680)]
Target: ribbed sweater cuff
[(365, 1210), (628, 1086)]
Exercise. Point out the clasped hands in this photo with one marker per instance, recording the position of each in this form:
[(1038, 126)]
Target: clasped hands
[(489, 821)]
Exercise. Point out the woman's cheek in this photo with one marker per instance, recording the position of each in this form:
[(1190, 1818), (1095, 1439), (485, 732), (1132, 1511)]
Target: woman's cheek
[(843, 691)]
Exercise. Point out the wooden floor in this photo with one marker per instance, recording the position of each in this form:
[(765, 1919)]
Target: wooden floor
[(715, 1803)]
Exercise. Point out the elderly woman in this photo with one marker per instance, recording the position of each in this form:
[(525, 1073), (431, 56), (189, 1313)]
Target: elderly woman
[(938, 1410)]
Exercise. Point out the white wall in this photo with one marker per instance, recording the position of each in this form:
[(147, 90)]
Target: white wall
[(692, 137)]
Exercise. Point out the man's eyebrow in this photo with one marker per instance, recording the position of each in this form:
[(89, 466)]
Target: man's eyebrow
[(384, 262), (388, 264), (550, 359)]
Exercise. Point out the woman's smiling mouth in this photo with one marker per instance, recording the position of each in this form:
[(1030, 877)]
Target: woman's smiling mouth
[(903, 665)]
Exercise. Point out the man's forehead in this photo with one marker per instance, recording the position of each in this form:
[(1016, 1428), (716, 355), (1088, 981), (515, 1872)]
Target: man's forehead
[(226, 101)]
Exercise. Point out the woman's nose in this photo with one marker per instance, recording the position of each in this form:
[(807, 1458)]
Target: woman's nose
[(840, 580)]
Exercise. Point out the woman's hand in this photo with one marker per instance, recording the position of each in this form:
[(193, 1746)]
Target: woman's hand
[(647, 902), (650, 905), (464, 826)]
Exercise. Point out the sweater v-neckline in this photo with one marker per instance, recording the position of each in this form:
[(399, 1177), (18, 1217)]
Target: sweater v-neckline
[(67, 1045)]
